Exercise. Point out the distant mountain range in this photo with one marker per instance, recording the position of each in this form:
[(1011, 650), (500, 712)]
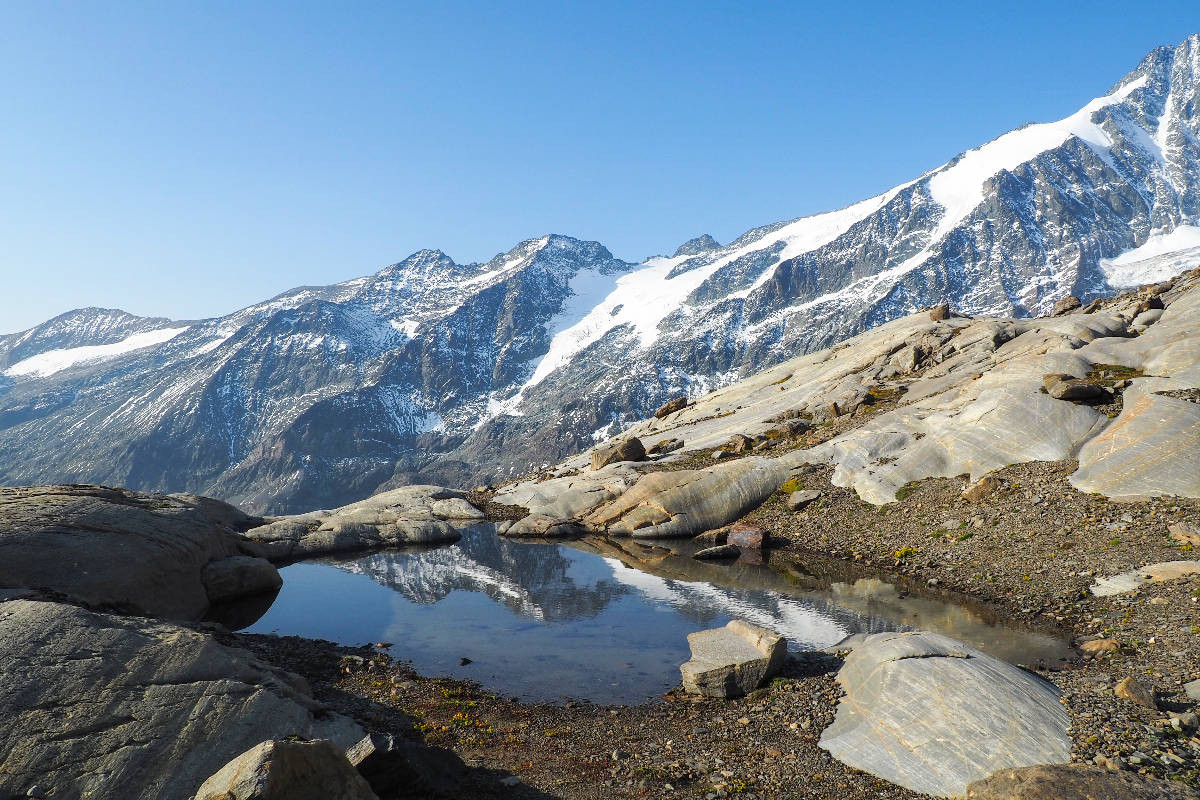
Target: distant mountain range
[(434, 371)]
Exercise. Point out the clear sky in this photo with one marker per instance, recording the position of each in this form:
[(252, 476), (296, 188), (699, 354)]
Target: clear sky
[(185, 159)]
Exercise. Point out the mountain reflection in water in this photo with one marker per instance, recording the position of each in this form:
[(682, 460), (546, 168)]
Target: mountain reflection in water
[(596, 619)]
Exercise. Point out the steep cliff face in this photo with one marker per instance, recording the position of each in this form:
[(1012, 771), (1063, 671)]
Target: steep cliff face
[(434, 371)]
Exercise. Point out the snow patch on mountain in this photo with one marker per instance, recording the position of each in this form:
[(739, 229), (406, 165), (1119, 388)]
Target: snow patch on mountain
[(1158, 258), (45, 364)]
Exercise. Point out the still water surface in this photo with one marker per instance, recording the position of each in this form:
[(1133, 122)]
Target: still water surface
[(594, 619)]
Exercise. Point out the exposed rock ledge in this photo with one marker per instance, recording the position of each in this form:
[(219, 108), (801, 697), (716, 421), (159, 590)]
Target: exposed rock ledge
[(164, 555), (970, 400), (409, 515)]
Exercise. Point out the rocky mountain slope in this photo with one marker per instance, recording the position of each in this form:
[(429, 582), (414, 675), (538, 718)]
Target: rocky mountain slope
[(430, 370)]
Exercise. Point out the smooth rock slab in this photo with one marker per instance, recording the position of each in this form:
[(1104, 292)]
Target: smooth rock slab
[(688, 502), (1075, 782), (732, 661), (288, 771), (932, 714)]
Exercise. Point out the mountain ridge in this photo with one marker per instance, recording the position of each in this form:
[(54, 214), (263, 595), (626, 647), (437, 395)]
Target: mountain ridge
[(432, 371)]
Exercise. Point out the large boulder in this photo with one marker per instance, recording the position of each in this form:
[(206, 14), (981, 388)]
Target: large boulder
[(130, 551), (671, 406), (688, 502), (932, 714), (103, 706), (630, 449), (277, 770), (732, 661), (1075, 782), (409, 515)]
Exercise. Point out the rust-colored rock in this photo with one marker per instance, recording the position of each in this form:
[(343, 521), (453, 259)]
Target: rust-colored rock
[(1066, 306), (1134, 690), (671, 406), (981, 489), (630, 449), (940, 313), (747, 537), (1098, 646)]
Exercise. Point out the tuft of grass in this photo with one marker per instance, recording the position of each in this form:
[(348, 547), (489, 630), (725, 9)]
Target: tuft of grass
[(791, 485)]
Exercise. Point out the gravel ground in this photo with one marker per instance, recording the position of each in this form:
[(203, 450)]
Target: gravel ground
[(762, 746), (1030, 548)]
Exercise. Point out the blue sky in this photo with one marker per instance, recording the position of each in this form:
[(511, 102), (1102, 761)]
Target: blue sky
[(186, 159)]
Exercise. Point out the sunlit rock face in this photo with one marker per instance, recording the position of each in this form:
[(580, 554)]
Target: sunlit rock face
[(430, 371)]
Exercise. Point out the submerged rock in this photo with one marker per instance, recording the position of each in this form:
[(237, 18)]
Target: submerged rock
[(732, 661), (719, 553), (932, 714)]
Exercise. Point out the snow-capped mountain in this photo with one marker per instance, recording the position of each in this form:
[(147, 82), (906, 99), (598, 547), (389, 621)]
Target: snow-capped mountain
[(429, 370)]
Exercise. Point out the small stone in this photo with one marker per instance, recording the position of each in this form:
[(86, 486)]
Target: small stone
[(619, 755), (1097, 646), (739, 443), (940, 313), (35, 791), (1134, 690), (1078, 390), (732, 661), (511, 780), (1192, 690), (717, 455), (462, 662), (981, 489), (799, 500)]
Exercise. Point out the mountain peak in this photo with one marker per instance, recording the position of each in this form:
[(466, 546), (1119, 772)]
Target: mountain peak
[(694, 247)]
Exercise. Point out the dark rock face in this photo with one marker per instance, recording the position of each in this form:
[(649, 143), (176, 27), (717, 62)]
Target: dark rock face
[(163, 555), (434, 372), (96, 705)]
